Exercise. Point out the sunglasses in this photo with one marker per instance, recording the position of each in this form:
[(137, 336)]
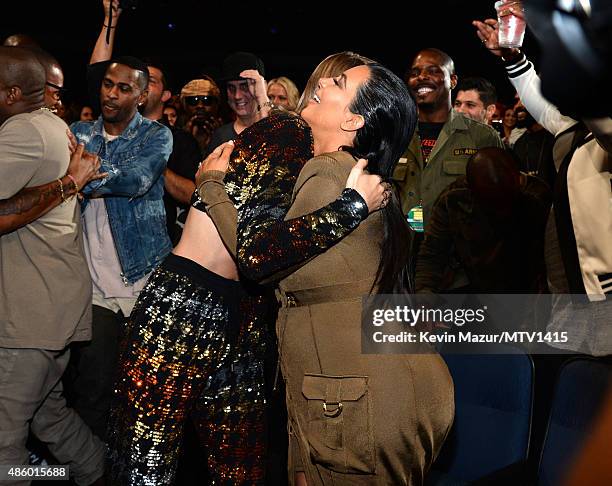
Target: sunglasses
[(60, 90), (205, 100)]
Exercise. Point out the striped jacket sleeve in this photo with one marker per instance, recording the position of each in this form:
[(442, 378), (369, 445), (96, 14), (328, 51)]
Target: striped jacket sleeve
[(523, 77)]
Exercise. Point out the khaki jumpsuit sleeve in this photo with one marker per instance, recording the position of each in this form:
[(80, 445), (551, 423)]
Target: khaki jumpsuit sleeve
[(318, 185)]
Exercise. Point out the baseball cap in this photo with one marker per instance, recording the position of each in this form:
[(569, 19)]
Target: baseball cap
[(237, 62)]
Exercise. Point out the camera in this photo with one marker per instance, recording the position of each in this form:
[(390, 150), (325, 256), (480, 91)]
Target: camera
[(128, 4)]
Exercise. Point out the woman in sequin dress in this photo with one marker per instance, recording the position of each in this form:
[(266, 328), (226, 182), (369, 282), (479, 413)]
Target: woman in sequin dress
[(195, 338), (355, 418)]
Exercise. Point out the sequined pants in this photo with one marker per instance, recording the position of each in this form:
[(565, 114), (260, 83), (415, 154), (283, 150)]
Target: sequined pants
[(194, 349)]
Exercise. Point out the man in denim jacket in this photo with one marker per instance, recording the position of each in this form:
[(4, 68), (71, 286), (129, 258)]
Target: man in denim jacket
[(124, 224)]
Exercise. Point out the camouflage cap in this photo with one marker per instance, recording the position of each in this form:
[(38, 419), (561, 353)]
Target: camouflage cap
[(200, 87)]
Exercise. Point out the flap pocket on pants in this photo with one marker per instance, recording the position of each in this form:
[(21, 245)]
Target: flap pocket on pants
[(339, 428)]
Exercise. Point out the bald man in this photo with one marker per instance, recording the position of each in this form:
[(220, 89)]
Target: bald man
[(20, 40), (54, 83), (444, 140), (53, 71), (45, 287), (491, 221)]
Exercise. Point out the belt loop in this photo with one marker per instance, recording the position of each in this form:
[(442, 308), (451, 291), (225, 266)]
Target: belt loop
[(281, 297), (285, 299)]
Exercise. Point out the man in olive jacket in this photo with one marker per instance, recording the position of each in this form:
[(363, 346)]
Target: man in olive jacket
[(444, 140)]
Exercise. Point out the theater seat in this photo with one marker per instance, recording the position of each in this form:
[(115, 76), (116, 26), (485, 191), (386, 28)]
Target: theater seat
[(581, 388), (489, 440)]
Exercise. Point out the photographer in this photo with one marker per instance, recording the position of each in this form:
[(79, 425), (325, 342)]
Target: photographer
[(200, 101)]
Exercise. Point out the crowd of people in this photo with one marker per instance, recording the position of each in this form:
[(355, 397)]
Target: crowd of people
[(170, 261)]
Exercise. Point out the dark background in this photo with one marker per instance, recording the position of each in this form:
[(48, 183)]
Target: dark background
[(192, 36)]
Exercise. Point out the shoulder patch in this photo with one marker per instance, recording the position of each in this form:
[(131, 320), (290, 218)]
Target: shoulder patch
[(464, 151)]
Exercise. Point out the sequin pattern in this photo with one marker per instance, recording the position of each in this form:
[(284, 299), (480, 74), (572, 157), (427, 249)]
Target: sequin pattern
[(264, 168), (179, 360)]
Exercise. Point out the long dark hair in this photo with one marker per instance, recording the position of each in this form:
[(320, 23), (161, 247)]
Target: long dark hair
[(390, 118), (330, 67)]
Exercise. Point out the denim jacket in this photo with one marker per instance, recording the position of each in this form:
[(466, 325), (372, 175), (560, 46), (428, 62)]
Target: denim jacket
[(133, 190)]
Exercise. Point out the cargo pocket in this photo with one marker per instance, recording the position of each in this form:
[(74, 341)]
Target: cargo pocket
[(339, 428)]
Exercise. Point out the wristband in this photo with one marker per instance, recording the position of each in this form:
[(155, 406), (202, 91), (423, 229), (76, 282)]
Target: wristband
[(76, 186)]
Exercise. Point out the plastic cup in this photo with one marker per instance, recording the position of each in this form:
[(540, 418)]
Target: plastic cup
[(511, 27)]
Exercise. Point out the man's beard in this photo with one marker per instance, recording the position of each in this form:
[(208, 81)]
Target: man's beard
[(526, 122)]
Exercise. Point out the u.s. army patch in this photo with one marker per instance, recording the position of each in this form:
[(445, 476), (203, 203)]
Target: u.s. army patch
[(464, 151)]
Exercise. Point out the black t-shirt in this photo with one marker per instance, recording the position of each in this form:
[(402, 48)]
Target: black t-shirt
[(534, 151), (224, 133), (185, 156), (95, 75), (429, 133), (184, 161)]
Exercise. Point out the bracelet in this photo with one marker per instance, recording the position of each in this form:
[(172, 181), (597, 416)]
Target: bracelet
[(268, 103), (76, 186), (63, 196)]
